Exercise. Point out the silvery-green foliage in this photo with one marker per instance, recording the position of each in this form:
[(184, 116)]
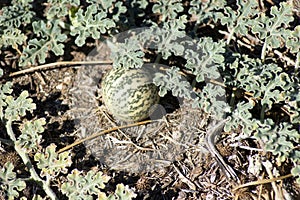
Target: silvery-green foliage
[(12, 37), (168, 9), (127, 54), (265, 81), (280, 140), (80, 186), (90, 23), (170, 39), (206, 10), (104, 4), (5, 90), (212, 100), (242, 118), (16, 108), (18, 13), (205, 61), (51, 40), (11, 18), (296, 171), (271, 81), (272, 30), (9, 183), (239, 21), (142, 4), (31, 137), (122, 192), (60, 8), (170, 81), (293, 40), (51, 163)]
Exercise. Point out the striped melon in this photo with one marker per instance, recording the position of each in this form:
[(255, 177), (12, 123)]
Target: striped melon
[(129, 94)]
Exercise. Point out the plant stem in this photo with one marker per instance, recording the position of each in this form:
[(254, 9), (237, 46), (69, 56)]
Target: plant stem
[(26, 160)]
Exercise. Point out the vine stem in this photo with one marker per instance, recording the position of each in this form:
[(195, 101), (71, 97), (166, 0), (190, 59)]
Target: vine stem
[(59, 64), (103, 133), (26, 160)]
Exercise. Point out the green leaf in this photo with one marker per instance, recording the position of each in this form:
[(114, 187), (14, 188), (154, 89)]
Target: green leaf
[(122, 192), (273, 29), (82, 187), (265, 81), (172, 81), (296, 173), (206, 10), (60, 8), (127, 54), (37, 50), (239, 21), (204, 62), (52, 163), (167, 40), (142, 4), (168, 9), (91, 23), (12, 37), (9, 183), (242, 118), (279, 140), (293, 39), (5, 90), (17, 108), (30, 138), (212, 100), (17, 14)]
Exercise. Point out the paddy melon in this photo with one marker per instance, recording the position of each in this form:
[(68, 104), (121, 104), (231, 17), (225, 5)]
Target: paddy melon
[(129, 94)]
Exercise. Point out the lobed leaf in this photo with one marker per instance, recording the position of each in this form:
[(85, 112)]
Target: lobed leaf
[(5, 90), (264, 81), (12, 37), (122, 192), (292, 39), (272, 30), (204, 62), (17, 108), (9, 183), (17, 14), (82, 187), (142, 4), (127, 54), (172, 81), (212, 100), (280, 140), (60, 8), (203, 11), (168, 9), (52, 163), (240, 20), (91, 23), (30, 139), (242, 118), (296, 172), (37, 50)]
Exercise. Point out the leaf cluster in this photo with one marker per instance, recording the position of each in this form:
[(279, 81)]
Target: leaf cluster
[(49, 164)]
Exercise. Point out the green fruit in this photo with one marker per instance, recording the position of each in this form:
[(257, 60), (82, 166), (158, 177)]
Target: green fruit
[(129, 94)]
